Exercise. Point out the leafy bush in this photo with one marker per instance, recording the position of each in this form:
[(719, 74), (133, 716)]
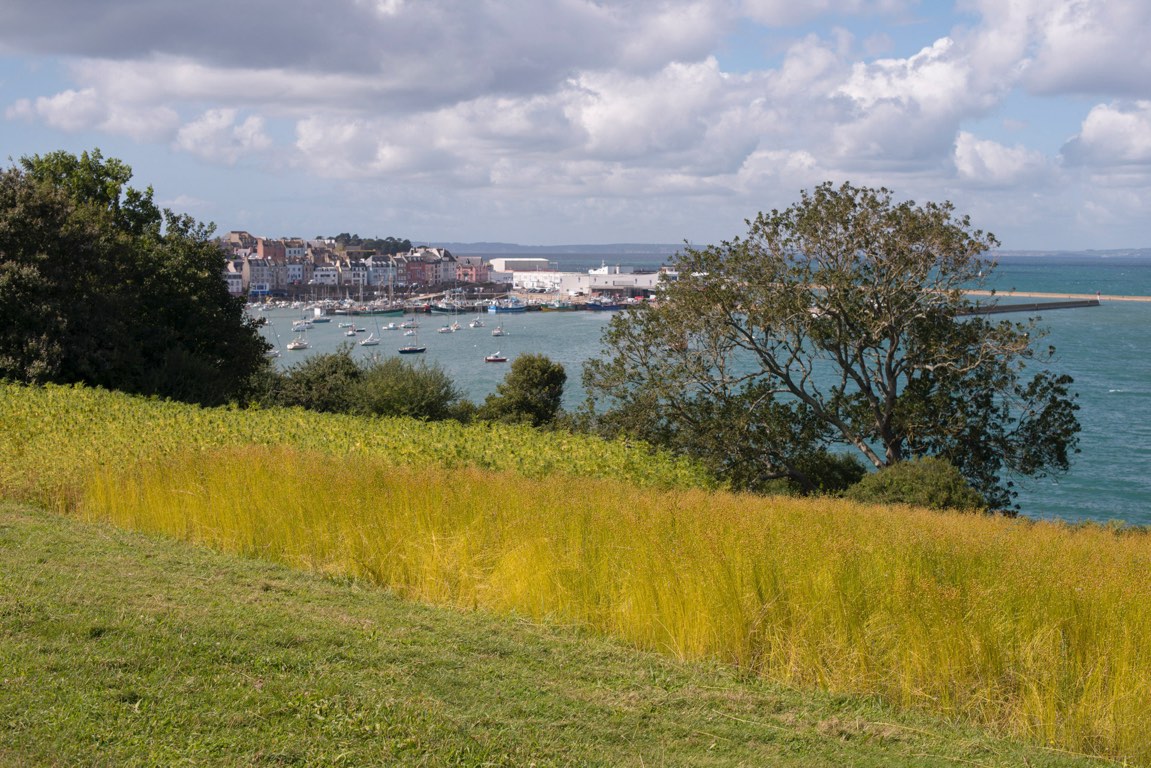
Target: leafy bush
[(395, 387), (324, 383), (531, 393), (337, 383), (925, 482)]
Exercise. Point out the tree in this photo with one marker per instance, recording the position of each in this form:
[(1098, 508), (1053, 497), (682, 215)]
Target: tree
[(531, 393), (840, 321), (98, 285)]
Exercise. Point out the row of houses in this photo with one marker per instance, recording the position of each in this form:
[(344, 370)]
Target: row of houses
[(296, 268), (259, 266)]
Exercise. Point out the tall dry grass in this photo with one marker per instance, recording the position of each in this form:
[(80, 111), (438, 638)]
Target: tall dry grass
[(1041, 630)]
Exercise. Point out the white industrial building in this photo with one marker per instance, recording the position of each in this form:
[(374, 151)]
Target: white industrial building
[(613, 280)]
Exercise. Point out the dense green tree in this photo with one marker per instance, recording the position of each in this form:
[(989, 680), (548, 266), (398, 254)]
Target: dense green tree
[(98, 285), (531, 393), (840, 321)]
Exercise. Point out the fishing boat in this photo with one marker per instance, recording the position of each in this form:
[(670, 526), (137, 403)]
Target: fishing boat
[(496, 358), (510, 304), (446, 308), (557, 306), (603, 305)]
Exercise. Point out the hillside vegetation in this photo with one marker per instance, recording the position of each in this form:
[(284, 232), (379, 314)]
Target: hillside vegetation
[(122, 650), (53, 435), (1042, 631)]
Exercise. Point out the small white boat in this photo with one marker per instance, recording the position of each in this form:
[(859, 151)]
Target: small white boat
[(345, 325), (455, 326), (445, 329), (499, 330), (410, 332), (351, 331), (477, 323), (496, 358), (391, 327), (298, 343), (370, 341)]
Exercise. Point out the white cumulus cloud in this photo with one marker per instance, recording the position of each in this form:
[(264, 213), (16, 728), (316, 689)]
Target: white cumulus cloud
[(524, 109), (75, 111), (216, 136), (1113, 135), (988, 163)]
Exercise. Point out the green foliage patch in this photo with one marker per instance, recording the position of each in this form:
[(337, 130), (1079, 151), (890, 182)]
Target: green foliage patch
[(925, 482), (50, 436)]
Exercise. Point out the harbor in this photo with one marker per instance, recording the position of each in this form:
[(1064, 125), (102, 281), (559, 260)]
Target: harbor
[(1103, 348)]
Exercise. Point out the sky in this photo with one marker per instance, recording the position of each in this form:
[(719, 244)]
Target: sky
[(546, 122)]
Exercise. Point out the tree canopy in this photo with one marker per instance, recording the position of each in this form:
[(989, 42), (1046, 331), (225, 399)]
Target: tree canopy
[(99, 286), (387, 245), (840, 322)]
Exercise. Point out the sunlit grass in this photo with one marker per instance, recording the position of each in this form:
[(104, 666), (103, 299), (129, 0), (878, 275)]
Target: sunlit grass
[(1037, 629)]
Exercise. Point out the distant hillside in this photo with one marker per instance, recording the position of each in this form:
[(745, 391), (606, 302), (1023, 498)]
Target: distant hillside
[(644, 249), (1117, 254), (669, 249)]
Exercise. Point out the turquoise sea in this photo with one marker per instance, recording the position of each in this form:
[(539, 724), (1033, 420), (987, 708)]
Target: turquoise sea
[(1107, 349)]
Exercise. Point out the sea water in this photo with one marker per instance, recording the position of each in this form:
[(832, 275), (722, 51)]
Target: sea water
[(1106, 349)]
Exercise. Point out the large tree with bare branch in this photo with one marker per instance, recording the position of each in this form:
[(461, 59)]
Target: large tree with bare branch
[(840, 321)]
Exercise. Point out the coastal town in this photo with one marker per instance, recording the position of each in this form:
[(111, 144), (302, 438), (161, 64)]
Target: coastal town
[(319, 270)]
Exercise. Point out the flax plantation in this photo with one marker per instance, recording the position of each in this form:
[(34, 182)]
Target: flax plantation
[(1036, 631)]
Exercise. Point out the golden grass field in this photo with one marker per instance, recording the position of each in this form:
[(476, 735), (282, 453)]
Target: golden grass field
[(1040, 630)]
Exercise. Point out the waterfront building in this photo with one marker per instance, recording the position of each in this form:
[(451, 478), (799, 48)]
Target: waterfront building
[(471, 269), (517, 264)]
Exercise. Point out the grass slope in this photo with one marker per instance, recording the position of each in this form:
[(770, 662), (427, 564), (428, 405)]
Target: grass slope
[(120, 649)]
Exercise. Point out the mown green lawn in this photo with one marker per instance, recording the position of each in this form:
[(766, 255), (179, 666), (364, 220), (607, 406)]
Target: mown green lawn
[(118, 649)]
